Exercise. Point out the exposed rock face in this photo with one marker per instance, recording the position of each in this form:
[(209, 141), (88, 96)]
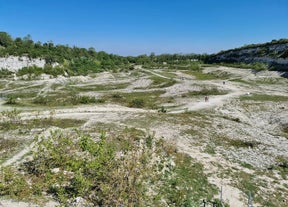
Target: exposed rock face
[(275, 55), (13, 63)]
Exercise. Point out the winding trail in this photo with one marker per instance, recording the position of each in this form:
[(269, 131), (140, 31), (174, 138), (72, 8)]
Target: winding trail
[(154, 73), (214, 101)]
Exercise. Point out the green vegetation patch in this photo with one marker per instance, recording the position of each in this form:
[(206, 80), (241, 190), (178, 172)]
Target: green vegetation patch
[(101, 87), (192, 66), (22, 95), (243, 81), (284, 129), (198, 74), (249, 183), (168, 73), (149, 100), (2, 84), (61, 123), (281, 166), (258, 66), (263, 97), (241, 143), (111, 171), (40, 123), (4, 73), (269, 81), (160, 82), (220, 140), (65, 99), (8, 147), (189, 184), (265, 81), (205, 92)]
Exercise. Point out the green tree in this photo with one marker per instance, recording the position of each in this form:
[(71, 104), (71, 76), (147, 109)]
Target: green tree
[(5, 39)]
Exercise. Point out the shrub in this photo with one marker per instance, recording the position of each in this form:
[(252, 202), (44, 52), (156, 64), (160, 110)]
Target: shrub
[(83, 100), (13, 184), (5, 73), (11, 100), (137, 103), (162, 109), (112, 171), (42, 100)]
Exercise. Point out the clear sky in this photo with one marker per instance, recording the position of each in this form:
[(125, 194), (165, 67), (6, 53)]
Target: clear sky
[(133, 27)]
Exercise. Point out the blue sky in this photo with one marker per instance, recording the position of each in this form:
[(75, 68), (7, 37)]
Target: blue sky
[(133, 27)]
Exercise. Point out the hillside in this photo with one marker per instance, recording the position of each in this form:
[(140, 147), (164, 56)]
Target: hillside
[(64, 59), (274, 54), (157, 130)]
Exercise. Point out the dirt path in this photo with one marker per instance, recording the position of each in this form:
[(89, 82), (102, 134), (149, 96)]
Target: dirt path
[(230, 194), (19, 156), (213, 101)]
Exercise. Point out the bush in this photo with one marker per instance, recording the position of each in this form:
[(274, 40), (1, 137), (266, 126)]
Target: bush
[(162, 109), (112, 171), (137, 103), (87, 99), (5, 73), (11, 100), (13, 184), (31, 70), (42, 100)]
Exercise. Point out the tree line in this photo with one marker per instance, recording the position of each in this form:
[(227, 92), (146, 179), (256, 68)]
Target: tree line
[(76, 60)]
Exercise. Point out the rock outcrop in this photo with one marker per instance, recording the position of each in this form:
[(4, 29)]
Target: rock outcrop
[(13, 63), (274, 54)]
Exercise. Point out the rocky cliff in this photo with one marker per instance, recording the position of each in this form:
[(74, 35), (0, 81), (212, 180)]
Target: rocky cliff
[(274, 54), (13, 63)]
